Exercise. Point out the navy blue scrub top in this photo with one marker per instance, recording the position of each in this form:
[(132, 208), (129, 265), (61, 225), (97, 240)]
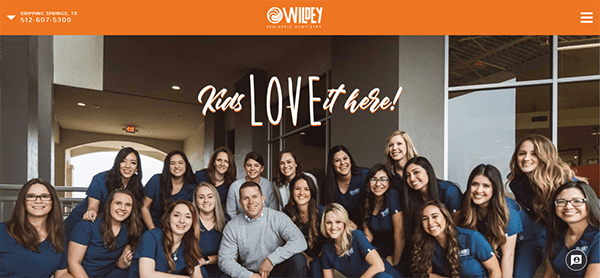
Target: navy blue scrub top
[(474, 249), (152, 191), (353, 264), (450, 195), (382, 226), (398, 181), (514, 222), (351, 199), (524, 195), (210, 241), (202, 176), (316, 250), (18, 261), (150, 246), (98, 260), (589, 243)]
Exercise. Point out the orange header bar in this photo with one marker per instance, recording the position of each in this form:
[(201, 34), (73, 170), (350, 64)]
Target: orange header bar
[(500, 17)]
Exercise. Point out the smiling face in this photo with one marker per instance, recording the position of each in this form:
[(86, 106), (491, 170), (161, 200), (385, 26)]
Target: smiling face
[(569, 213), (128, 166), (205, 199), (222, 163), (177, 166), (416, 177), (341, 163), (527, 158), (434, 222), (334, 225), (397, 149), (301, 193), (481, 190), (379, 187), (252, 200), (287, 166), (180, 219), (41, 206), (253, 168), (120, 207)]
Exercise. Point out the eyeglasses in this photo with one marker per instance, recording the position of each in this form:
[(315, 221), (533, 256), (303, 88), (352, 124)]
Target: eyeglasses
[(383, 179), (577, 202), (43, 197)]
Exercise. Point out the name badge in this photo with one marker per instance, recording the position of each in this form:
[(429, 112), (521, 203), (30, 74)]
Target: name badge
[(464, 252), (354, 192), (385, 212)]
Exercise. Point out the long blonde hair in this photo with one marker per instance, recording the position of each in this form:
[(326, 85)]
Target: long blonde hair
[(550, 173), (342, 214), (220, 219), (410, 148)]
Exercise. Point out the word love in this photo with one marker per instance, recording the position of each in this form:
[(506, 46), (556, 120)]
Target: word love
[(218, 101)]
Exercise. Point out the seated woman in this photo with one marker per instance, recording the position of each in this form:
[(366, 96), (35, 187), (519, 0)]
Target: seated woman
[(212, 223), (126, 172), (573, 230), (32, 241), (172, 249), (254, 165), (349, 252), (104, 248), (382, 214), (304, 211), (441, 249), (176, 182), (288, 166), (221, 172), (489, 211)]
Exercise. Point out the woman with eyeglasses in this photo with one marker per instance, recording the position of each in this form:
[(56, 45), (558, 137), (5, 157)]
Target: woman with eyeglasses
[(399, 149), (32, 241), (344, 182), (382, 214), (126, 172), (285, 171), (489, 211), (221, 172), (440, 249), (212, 222), (349, 251), (172, 250), (104, 248), (573, 239), (306, 213), (536, 171), (176, 182), (254, 165)]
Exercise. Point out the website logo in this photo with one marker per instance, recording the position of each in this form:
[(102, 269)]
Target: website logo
[(274, 15)]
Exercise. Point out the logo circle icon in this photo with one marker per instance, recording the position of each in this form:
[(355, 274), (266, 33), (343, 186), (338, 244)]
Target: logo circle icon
[(576, 260), (274, 15)]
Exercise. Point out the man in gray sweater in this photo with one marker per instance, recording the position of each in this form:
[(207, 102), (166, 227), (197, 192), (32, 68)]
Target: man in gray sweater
[(265, 241)]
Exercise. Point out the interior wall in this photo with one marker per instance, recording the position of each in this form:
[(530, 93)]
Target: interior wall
[(72, 138), (193, 147)]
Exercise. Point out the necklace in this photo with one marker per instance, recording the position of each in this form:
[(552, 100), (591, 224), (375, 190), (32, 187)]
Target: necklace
[(174, 255)]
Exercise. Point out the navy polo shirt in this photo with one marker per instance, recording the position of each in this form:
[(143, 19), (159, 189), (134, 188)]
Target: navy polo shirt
[(589, 243), (524, 196), (474, 249), (351, 199), (382, 226), (450, 195), (152, 191), (209, 245), (150, 246)]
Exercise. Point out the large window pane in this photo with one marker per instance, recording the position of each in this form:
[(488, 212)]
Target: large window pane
[(578, 56), (309, 145)]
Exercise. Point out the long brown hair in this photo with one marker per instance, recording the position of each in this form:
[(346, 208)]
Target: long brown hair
[(113, 177), (424, 244), (550, 173), (230, 175), (291, 209), (133, 222), (166, 183), (190, 240), (24, 233), (278, 177), (497, 217)]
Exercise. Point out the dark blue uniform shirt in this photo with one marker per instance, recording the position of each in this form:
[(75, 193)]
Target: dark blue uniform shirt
[(152, 191)]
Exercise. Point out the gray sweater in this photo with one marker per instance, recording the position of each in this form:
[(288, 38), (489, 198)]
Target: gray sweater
[(272, 236)]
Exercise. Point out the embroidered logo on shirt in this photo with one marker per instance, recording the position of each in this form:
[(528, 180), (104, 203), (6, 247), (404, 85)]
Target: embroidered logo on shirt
[(464, 252), (385, 212), (351, 251), (354, 192), (582, 248)]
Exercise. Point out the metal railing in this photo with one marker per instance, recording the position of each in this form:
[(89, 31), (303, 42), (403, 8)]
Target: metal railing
[(9, 192)]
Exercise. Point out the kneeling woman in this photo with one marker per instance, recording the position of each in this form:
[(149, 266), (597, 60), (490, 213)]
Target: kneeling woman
[(172, 249), (104, 248), (32, 241), (212, 223), (574, 229), (349, 251), (441, 249)]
